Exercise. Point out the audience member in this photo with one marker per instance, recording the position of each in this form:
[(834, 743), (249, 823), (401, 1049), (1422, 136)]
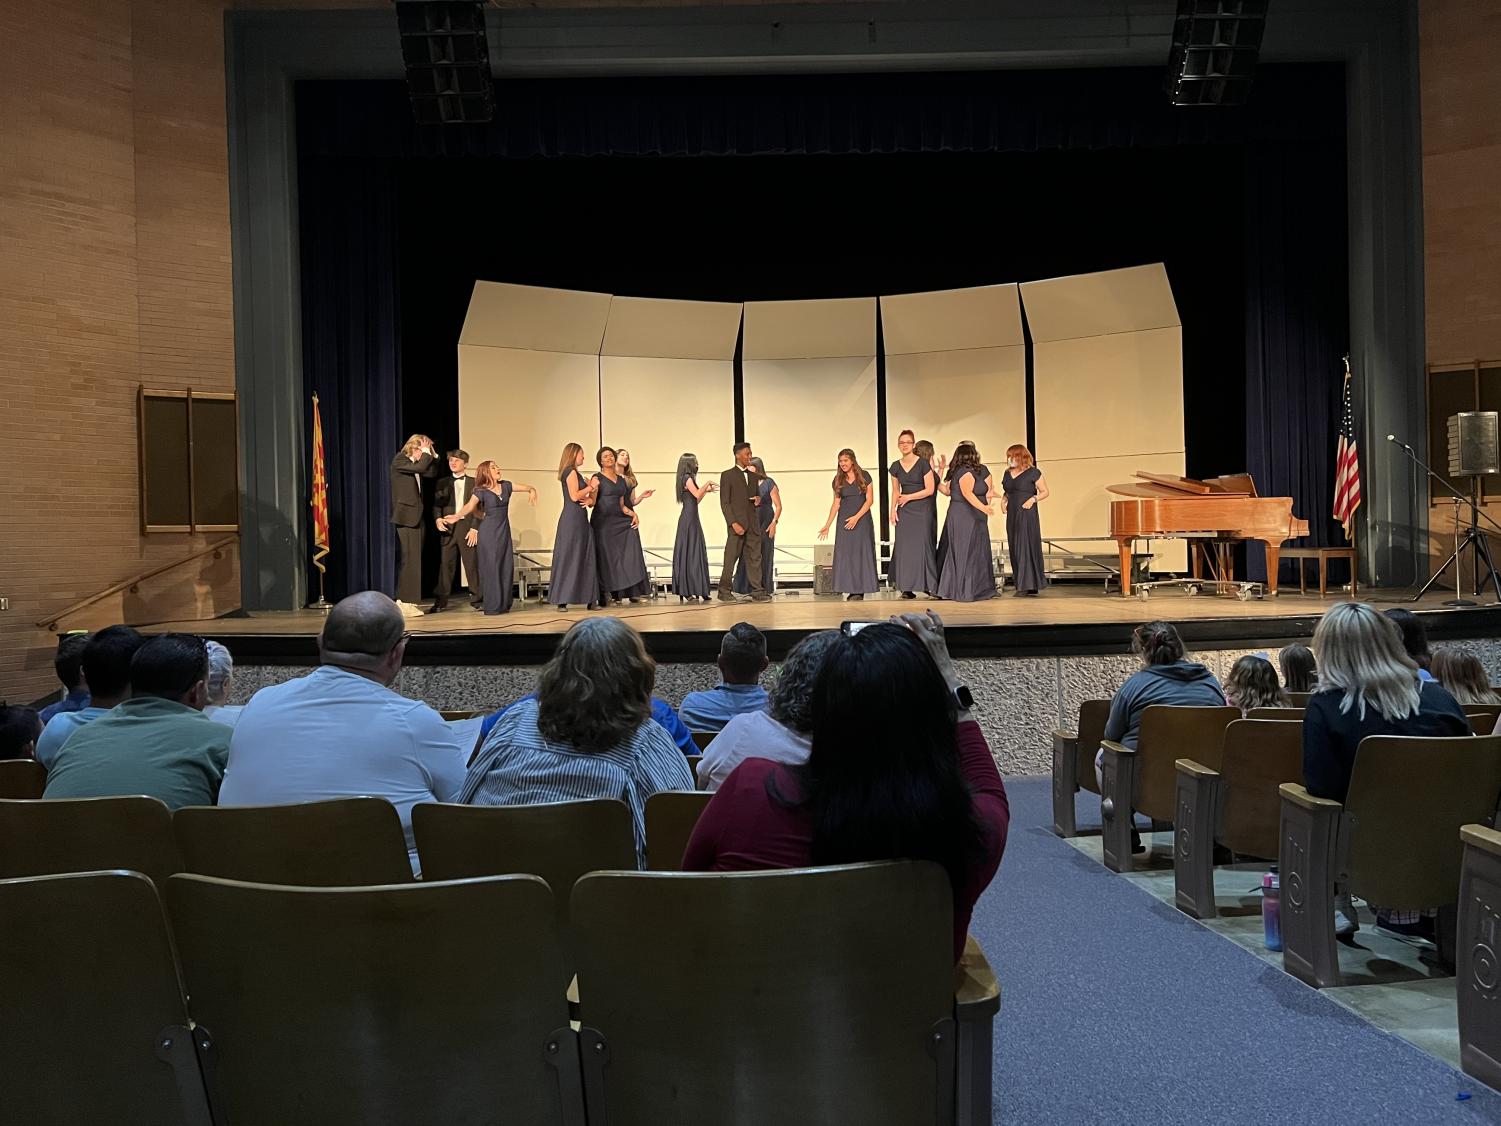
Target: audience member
[(588, 734), (1252, 683), (742, 660), (1165, 678), (158, 742), (898, 770), (1414, 638), (1463, 676), (221, 678), (661, 711), (342, 731), (106, 670), (68, 663), (1300, 671), (784, 732), (20, 727)]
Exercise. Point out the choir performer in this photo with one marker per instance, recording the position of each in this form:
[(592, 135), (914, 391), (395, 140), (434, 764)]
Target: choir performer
[(768, 514), (637, 495), (690, 554), (497, 569), (967, 574), (855, 541), (622, 566), (574, 573), (1022, 490), (914, 519)]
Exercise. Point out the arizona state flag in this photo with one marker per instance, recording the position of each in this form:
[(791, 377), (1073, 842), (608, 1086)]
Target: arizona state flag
[(320, 492)]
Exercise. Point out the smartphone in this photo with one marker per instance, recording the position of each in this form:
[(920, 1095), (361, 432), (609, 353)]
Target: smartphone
[(849, 629)]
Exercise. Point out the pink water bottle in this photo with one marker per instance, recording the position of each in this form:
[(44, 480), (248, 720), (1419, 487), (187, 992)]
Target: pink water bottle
[(1271, 909)]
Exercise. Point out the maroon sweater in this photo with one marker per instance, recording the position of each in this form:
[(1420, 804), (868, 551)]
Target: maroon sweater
[(742, 828)]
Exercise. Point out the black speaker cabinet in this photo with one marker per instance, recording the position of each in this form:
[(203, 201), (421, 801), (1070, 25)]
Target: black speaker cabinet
[(1474, 444)]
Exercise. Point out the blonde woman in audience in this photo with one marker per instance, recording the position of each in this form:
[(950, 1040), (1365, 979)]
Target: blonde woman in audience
[(221, 678), (1252, 683), (1300, 672), (1464, 676), (588, 734), (1368, 686)]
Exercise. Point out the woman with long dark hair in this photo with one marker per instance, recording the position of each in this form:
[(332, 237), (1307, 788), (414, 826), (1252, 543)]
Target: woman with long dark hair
[(1253, 683), (898, 770), (1300, 672), (589, 733), (622, 566), (690, 554), (855, 541), (574, 575), (914, 519), (967, 575)]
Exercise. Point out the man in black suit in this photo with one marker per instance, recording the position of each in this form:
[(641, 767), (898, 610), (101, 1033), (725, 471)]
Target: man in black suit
[(415, 461), (450, 494), (739, 497)]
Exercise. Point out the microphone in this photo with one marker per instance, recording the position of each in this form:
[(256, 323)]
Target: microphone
[(1398, 441), (1391, 437)]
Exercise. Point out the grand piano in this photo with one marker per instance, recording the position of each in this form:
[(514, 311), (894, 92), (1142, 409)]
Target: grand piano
[(1221, 510)]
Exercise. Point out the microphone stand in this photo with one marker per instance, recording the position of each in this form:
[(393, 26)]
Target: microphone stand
[(1473, 537)]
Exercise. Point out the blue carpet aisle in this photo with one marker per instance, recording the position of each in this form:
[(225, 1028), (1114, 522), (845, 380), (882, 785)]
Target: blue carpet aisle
[(1118, 1008)]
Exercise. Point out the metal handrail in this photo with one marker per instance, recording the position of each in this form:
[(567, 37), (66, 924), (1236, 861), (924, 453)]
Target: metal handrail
[(215, 549)]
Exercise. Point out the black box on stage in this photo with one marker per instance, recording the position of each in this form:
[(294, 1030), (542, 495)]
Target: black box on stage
[(1474, 444)]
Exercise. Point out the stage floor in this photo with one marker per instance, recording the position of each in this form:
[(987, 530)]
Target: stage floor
[(1064, 619)]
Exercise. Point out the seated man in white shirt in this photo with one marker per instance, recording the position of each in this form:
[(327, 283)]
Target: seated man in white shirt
[(782, 733), (341, 731)]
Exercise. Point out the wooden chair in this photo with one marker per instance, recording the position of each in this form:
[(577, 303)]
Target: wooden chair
[(702, 739), (95, 1026), (1482, 709), (1145, 780), (559, 842), (670, 818), (1395, 840), (341, 843), (1237, 805), (40, 838), (1322, 555), (1073, 763), (1482, 723), (693, 761), (1477, 984), (1300, 699), (452, 716), (22, 778), (831, 995), (1276, 713), (431, 1002)]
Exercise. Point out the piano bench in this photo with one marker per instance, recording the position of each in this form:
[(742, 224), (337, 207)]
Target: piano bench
[(1323, 555)]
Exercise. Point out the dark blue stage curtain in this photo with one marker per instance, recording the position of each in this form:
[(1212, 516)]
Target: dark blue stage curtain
[(354, 137), (351, 339)]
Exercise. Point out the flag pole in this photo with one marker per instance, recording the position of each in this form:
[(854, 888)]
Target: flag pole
[(319, 504)]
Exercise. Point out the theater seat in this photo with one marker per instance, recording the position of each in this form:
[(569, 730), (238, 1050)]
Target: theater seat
[(39, 838), (1073, 763), (1395, 839), (340, 843), (94, 1026), (811, 995), (670, 818), (22, 778), (1476, 982)]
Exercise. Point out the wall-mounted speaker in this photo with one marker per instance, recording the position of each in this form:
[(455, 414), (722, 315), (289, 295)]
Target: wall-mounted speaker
[(447, 58), (1215, 46), (1474, 444)]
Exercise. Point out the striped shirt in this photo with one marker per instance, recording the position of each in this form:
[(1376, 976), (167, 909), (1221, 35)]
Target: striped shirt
[(517, 765)]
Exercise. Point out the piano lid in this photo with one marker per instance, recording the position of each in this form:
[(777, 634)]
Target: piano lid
[(1157, 485)]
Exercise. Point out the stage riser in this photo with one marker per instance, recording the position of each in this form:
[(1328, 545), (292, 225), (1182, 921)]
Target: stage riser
[(1022, 700)]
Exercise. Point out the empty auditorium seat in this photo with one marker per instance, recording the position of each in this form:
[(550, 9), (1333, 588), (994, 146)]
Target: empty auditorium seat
[(22, 778), (1476, 982), (38, 838), (670, 818), (1073, 763)]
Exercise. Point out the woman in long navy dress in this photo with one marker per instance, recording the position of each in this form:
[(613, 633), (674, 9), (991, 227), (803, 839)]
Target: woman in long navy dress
[(497, 570), (622, 566), (924, 449), (637, 495), (575, 574), (1022, 490), (914, 518), (855, 541), (968, 574), (690, 554), (768, 514)]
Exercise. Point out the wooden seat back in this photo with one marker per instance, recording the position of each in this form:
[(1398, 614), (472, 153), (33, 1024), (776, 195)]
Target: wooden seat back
[(341, 843), (670, 818), (22, 778), (416, 1002), (1258, 755), (1167, 734), (134, 833), (96, 1028), (1275, 713), (828, 994), (1092, 717), (1407, 800)]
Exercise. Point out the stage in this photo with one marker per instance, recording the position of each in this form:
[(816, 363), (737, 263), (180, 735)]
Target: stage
[(1067, 619)]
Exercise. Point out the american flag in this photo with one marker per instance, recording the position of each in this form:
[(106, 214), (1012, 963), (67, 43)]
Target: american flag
[(1346, 464)]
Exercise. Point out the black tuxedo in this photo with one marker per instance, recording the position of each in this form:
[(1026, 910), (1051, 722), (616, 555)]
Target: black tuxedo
[(454, 542), (738, 490), (406, 513)]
